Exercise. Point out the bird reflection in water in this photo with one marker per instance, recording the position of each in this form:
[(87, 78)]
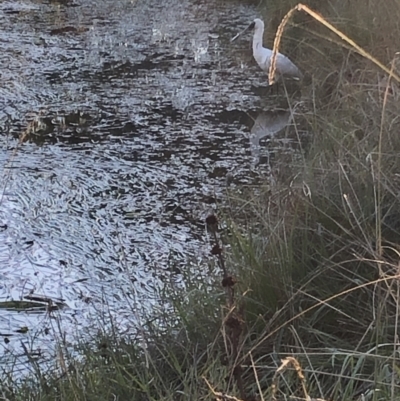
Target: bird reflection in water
[(267, 124)]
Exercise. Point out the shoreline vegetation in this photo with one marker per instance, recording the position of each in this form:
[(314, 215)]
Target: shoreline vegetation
[(305, 294)]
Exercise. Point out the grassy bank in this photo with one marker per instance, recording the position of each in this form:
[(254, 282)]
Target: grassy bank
[(304, 295)]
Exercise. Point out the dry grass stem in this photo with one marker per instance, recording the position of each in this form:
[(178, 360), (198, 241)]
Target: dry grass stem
[(220, 396), (256, 377), (323, 21), (289, 361), (319, 303)]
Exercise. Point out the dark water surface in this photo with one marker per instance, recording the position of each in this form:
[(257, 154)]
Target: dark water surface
[(135, 112)]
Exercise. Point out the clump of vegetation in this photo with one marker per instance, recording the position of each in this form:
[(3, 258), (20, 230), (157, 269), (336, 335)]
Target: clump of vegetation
[(318, 244), (304, 297)]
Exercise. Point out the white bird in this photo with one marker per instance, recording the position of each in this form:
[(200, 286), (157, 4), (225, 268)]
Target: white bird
[(262, 55)]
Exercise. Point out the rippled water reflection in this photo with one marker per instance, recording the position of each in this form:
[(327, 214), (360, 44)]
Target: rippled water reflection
[(137, 111)]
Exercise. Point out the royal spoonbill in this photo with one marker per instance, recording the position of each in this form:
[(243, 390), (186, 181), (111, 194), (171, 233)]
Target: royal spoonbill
[(262, 55)]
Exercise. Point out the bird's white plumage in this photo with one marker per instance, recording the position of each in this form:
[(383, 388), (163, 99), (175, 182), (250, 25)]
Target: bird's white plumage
[(262, 55)]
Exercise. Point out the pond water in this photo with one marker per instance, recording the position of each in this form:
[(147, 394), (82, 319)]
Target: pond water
[(133, 115)]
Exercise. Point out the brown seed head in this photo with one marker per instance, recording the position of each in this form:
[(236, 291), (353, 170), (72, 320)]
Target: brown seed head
[(229, 281), (216, 250), (211, 220)]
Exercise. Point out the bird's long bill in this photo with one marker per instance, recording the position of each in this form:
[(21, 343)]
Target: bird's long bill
[(249, 28)]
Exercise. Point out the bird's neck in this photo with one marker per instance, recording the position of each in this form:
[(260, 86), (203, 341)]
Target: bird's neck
[(258, 52), (257, 40)]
